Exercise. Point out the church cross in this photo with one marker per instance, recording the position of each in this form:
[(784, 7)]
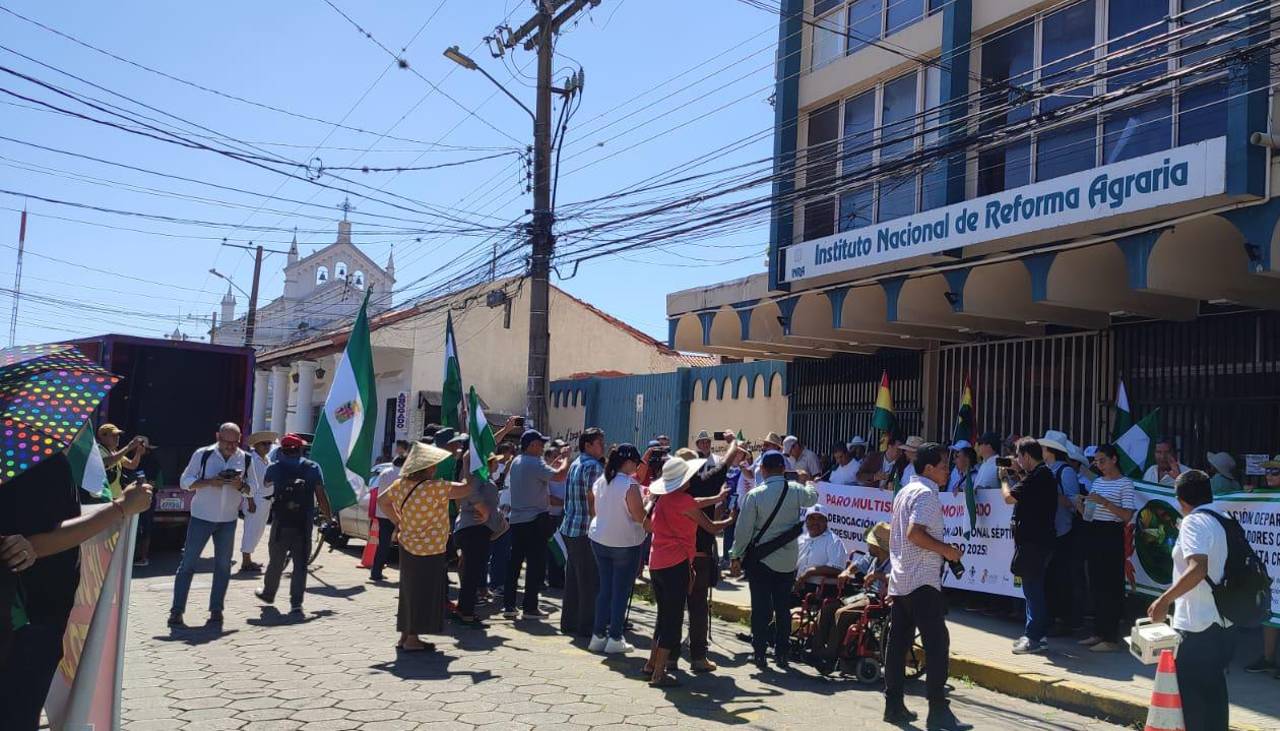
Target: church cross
[(346, 207)]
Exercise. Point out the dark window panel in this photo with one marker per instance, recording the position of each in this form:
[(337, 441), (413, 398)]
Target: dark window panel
[(1137, 131), (1202, 112)]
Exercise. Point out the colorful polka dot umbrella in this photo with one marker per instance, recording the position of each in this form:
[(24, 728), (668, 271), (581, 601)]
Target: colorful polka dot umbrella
[(47, 393)]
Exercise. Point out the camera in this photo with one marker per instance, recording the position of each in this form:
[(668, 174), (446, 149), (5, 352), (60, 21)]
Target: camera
[(229, 474), (791, 475), (519, 422), (1004, 462)]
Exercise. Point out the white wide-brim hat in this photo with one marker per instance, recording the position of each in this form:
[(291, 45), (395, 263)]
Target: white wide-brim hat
[(1055, 440), (1222, 462), (675, 474)]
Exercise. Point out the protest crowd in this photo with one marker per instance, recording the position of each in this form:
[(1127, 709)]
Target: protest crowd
[(511, 511)]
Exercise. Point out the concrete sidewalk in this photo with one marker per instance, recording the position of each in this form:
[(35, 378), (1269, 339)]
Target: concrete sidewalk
[(1112, 686)]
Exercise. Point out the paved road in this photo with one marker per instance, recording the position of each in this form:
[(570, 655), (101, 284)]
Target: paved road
[(337, 670)]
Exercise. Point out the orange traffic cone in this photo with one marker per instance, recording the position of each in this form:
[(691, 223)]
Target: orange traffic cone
[(370, 546), (1165, 713)]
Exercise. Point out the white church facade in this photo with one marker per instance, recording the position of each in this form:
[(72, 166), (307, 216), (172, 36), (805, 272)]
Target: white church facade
[(320, 291)]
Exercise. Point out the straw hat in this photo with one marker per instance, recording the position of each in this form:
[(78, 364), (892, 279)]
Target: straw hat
[(1272, 464), (259, 437), (772, 438), (878, 536), (423, 456), (1222, 462), (913, 443), (675, 473)]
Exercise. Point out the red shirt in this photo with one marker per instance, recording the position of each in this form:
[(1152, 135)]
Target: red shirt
[(674, 533)]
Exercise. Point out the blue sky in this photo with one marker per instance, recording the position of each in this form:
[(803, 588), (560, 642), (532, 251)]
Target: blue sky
[(302, 56)]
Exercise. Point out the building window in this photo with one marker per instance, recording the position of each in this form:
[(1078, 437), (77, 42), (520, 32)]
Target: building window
[(820, 171), (884, 125), (357, 279), (844, 26), (340, 270), (1116, 42), (322, 274), (828, 32)]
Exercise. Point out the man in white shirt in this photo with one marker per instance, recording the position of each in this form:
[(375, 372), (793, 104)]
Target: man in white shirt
[(988, 477), (220, 474), (821, 553), (256, 506), (1167, 468), (845, 471), (1199, 557), (800, 457), (386, 529)]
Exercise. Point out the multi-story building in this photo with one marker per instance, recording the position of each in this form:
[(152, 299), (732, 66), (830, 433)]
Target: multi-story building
[(1044, 197)]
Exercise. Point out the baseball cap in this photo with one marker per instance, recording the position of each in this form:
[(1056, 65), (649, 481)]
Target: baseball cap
[(108, 429), (443, 435), (772, 460), (788, 443), (292, 441), (629, 452), (529, 437), (960, 444), (815, 510)]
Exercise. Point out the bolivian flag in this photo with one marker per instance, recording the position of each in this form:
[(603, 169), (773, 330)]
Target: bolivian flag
[(883, 417), (966, 426)]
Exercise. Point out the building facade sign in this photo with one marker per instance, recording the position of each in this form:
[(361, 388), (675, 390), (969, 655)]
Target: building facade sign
[(1163, 178)]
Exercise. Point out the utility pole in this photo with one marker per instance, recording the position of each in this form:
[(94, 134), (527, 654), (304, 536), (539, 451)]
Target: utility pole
[(540, 32), (17, 278), (251, 319)]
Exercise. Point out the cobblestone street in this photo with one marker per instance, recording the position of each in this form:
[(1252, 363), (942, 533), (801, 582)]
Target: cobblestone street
[(337, 669)]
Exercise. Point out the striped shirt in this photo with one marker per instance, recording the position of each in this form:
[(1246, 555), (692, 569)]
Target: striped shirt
[(583, 473), (1118, 491), (912, 566)]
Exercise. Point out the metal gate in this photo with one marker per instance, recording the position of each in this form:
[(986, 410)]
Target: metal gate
[(832, 400), (1216, 381), (1025, 387), (638, 408)]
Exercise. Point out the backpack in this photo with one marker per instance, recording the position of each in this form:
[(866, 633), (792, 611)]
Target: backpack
[(1244, 594), (292, 499)]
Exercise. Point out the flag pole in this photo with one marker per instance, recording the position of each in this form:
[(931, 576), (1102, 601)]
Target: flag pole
[(17, 278)]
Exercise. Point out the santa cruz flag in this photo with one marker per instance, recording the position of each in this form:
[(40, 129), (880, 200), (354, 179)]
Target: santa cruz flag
[(344, 437), (451, 392)]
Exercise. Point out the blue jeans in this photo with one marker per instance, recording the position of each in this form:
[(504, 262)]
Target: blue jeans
[(198, 534), (1037, 607), (499, 558), (617, 568)]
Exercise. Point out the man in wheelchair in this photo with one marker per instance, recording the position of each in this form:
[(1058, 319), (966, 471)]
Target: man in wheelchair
[(862, 583)]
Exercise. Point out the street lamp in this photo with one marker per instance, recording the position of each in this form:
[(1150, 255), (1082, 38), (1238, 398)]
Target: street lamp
[(453, 53), (220, 275)]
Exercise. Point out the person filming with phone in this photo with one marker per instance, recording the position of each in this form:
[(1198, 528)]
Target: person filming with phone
[(220, 476), (916, 557)]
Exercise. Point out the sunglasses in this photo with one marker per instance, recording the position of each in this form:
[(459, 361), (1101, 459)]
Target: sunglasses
[(1273, 471)]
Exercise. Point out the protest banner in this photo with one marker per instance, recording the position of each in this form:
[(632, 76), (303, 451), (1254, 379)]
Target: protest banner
[(85, 692), (1149, 545), (988, 548)]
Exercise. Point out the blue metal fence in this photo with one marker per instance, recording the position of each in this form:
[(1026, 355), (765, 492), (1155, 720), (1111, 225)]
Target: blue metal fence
[(638, 408)]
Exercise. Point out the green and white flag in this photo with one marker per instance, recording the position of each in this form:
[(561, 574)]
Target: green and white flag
[(1137, 445), (559, 551), (482, 442), (87, 468), (1124, 416), (344, 437), (451, 393)]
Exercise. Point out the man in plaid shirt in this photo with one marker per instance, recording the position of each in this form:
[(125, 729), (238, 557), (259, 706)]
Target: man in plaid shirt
[(581, 582)]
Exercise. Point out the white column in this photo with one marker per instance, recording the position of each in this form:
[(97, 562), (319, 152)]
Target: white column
[(279, 397), (261, 381), (301, 421)]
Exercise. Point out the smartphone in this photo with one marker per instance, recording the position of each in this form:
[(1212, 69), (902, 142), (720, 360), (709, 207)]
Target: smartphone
[(519, 422), (724, 436), (791, 475), (1004, 461)]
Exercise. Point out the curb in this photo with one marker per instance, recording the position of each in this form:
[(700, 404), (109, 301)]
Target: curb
[(1058, 692)]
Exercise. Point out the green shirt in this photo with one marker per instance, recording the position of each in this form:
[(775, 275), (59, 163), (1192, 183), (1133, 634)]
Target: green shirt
[(755, 510)]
